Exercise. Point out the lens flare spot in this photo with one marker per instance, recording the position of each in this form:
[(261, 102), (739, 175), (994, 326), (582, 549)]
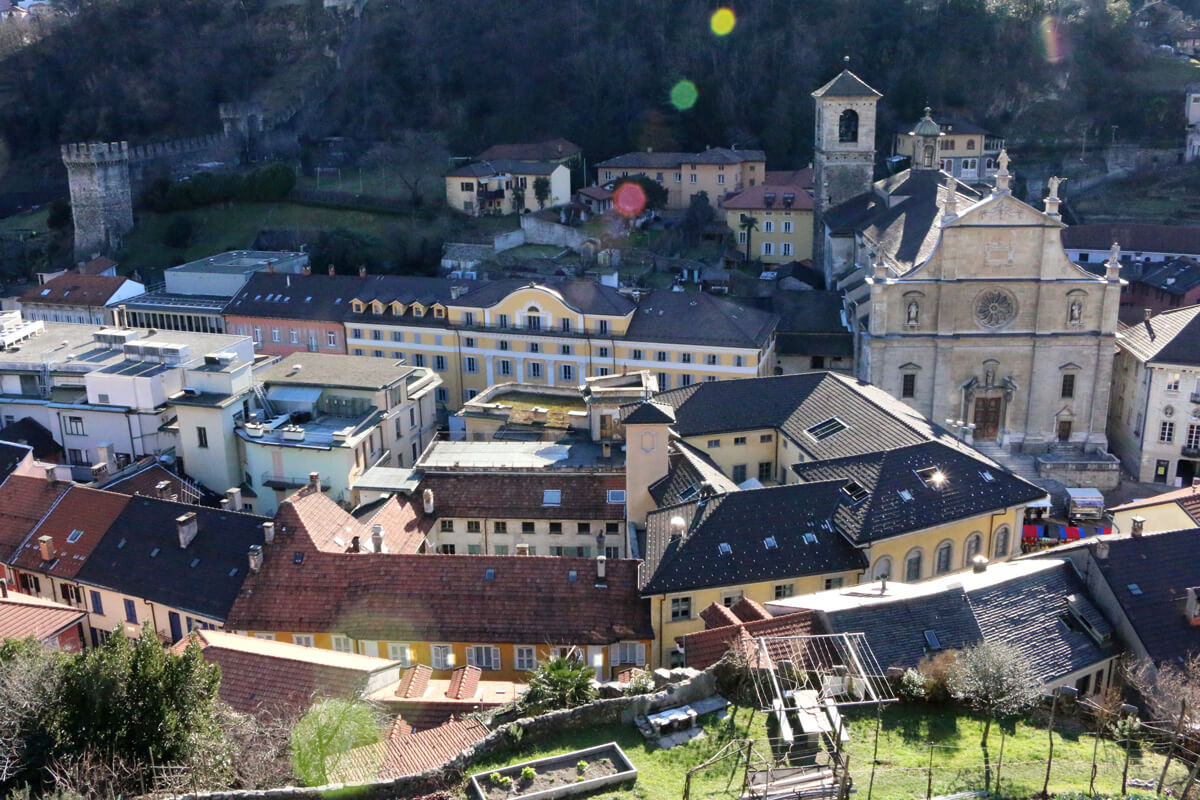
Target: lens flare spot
[(1053, 45), (629, 199), (722, 21), (684, 95)]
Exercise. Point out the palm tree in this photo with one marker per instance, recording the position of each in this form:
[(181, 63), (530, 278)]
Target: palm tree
[(748, 224)]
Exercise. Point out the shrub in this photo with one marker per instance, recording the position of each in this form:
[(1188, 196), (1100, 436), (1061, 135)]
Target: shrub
[(912, 686), (937, 670), (582, 767), (559, 683), (528, 774), (330, 729), (178, 233), (640, 683)]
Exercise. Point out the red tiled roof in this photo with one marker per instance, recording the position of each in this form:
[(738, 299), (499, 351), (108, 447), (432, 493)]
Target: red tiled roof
[(404, 526), (96, 266), (411, 754), (73, 289), (332, 529), (754, 197), (550, 150), (519, 496), (414, 681), (23, 615), (91, 511), (24, 500), (748, 610), (259, 674), (705, 648), (145, 482), (718, 615), (464, 682)]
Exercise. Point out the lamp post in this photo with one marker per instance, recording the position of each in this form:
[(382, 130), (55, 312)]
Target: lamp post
[(1058, 691), (960, 427)]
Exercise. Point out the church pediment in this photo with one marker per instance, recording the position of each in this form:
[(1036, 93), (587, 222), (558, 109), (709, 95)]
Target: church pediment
[(1002, 210)]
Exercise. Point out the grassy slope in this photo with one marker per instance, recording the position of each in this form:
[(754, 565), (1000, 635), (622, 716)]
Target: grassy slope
[(905, 735)]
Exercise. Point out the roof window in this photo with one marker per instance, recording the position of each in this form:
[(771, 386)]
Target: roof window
[(770, 543), (298, 557), (616, 496), (823, 430), (154, 553), (552, 497), (932, 477), (74, 535), (987, 476), (195, 561), (905, 495), (573, 576), (690, 492), (725, 549), (233, 572), (489, 575), (931, 639), (810, 538), (1134, 589), (855, 491), (121, 543)]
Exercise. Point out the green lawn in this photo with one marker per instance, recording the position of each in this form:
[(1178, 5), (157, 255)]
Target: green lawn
[(906, 733), (31, 221)]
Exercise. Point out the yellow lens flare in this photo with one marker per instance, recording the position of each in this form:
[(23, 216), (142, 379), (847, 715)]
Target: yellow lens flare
[(722, 21)]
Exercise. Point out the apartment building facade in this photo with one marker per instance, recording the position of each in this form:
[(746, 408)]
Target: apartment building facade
[(718, 172)]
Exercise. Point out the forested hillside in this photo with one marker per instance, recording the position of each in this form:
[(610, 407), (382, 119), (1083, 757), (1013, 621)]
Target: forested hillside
[(596, 71)]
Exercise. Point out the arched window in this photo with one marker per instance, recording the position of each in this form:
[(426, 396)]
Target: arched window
[(944, 558), (974, 546), (970, 144), (912, 565), (883, 568), (1000, 550), (848, 126)]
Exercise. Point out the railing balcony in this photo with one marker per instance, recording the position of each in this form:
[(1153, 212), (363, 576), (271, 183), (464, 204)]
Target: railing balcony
[(1189, 452), (1195, 397), (273, 480)]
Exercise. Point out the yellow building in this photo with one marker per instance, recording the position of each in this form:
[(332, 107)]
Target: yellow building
[(964, 149), (1169, 511), (506, 186), (782, 212), (718, 172), (839, 484), (559, 335), (503, 614)]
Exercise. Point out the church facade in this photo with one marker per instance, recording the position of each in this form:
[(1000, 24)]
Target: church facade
[(964, 304)]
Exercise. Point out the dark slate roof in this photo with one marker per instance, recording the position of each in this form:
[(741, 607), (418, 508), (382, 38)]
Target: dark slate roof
[(650, 413), (200, 578), (966, 491), (952, 125), (846, 84), (810, 323), (1162, 566), (29, 431), (744, 520), (670, 160), (792, 403), (11, 454), (687, 470), (550, 150), (896, 630), (499, 166), (1175, 277), (1031, 614), (327, 297), (584, 296), (1169, 337), (1134, 237), (699, 318)]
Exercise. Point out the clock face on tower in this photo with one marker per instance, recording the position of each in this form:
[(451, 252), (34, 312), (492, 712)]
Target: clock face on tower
[(995, 308)]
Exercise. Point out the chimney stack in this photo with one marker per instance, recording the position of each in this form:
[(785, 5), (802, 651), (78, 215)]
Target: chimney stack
[(188, 525), (224, 503), (377, 538), (677, 526), (362, 271), (50, 476), (979, 563), (314, 480), (331, 271), (163, 490), (883, 584), (3, 588), (235, 498), (600, 569), (522, 549), (256, 557), (354, 545), (427, 500), (268, 532), (1147, 313), (1139, 524), (46, 546)]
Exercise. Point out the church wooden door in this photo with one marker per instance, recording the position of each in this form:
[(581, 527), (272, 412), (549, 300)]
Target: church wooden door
[(987, 418)]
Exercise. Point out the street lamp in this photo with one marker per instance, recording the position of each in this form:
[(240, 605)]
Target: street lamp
[(960, 428)]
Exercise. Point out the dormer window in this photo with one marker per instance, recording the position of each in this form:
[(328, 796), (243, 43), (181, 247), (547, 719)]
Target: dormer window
[(357, 306), (397, 308), (376, 307), (855, 491), (418, 310), (439, 312)]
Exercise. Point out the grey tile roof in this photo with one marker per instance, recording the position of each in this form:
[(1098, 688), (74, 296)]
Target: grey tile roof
[(139, 555), (11, 454), (1169, 337), (699, 318), (549, 150), (896, 630), (965, 492), (650, 413), (792, 403), (1175, 277), (687, 470), (671, 160), (1134, 237), (846, 84), (501, 166), (321, 296), (1030, 613), (1161, 566), (796, 517)]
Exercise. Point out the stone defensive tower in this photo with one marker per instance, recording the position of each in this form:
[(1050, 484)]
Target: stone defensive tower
[(101, 199), (843, 150)]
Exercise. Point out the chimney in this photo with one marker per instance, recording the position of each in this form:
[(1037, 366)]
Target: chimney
[(256, 557), (979, 563), (377, 538), (677, 527), (46, 546), (362, 271), (600, 569), (1195, 484), (50, 476), (235, 498), (427, 500), (3, 588), (354, 545), (522, 549), (268, 532), (1138, 524), (162, 490), (1193, 607), (883, 584), (314, 480), (307, 270), (224, 503), (331, 272), (188, 526), (1147, 313)]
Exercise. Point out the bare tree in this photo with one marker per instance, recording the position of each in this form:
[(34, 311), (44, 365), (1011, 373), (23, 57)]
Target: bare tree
[(995, 680), (416, 160), (1168, 688), (29, 680)]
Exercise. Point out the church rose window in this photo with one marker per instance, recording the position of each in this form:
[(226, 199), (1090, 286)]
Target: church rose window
[(995, 308)]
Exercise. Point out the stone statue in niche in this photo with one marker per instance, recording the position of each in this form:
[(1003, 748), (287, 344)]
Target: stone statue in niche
[(989, 377), (914, 313), (1075, 314)]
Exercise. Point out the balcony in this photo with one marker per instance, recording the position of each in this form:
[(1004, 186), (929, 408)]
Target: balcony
[(273, 480), (1189, 452), (1195, 397), (484, 195)]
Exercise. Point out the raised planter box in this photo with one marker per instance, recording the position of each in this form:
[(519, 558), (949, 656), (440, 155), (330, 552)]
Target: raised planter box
[(563, 767)]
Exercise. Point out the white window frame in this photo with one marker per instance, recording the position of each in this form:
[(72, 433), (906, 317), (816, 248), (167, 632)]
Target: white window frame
[(627, 654), (400, 651), (441, 656), (484, 656), (525, 657), (270, 637), (341, 644), (303, 639)]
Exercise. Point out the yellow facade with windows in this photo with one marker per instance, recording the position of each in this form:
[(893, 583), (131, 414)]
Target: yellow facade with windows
[(683, 179), (533, 336), (780, 236), (606, 659)]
